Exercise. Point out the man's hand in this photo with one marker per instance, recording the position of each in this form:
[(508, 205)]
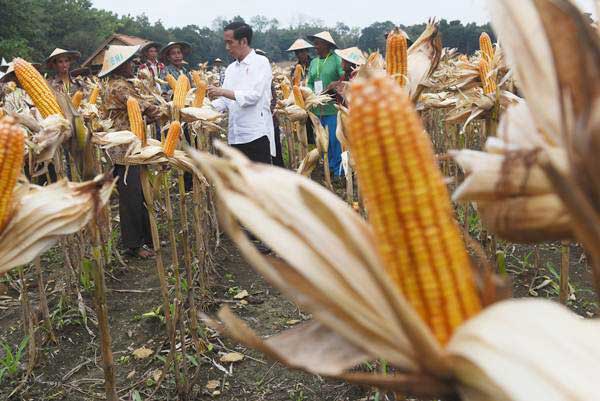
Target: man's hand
[(214, 92)]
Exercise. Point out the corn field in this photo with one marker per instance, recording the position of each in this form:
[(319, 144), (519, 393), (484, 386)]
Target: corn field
[(457, 257)]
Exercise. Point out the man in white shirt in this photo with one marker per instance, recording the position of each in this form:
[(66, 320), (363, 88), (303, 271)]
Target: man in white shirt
[(246, 94)]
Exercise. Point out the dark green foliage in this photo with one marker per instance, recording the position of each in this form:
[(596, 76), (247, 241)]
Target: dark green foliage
[(33, 28)]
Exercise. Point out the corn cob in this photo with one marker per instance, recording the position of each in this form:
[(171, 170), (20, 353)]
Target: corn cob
[(37, 88), (285, 90), (172, 138), (298, 98), (94, 95), (171, 81), (486, 47), (396, 56), (200, 93), (76, 99), (487, 80), (298, 71), (181, 90), (12, 142), (409, 205), (136, 123)]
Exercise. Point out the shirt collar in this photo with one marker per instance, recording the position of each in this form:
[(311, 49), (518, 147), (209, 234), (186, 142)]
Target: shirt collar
[(248, 58)]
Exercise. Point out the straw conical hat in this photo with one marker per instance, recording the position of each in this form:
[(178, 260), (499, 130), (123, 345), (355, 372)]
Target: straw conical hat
[(148, 45), (186, 49), (74, 55), (4, 65), (218, 60), (326, 36), (352, 55), (115, 56), (299, 44), (10, 72)]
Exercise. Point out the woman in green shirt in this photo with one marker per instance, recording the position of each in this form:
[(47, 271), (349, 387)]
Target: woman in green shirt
[(324, 71)]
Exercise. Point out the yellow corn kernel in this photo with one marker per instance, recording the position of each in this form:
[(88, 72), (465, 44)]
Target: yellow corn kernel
[(136, 122), (94, 95), (171, 81), (488, 80), (181, 89), (486, 47), (285, 90), (409, 206), (200, 93), (396, 56), (76, 99), (298, 98), (298, 72), (37, 88), (12, 142), (172, 138)]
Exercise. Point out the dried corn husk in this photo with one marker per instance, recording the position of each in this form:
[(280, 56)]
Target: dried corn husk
[(54, 131), (43, 214), (309, 163), (191, 114)]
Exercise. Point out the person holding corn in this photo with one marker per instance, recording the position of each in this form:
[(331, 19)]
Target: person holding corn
[(60, 61), (324, 71), (117, 90), (173, 55)]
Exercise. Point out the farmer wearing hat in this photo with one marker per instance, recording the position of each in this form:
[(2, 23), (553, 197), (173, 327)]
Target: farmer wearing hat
[(301, 49), (352, 58), (13, 97), (218, 68), (173, 55), (118, 68), (60, 62), (150, 59), (323, 71)]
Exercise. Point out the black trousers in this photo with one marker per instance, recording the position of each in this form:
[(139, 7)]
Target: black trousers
[(133, 215), (278, 159), (258, 150)]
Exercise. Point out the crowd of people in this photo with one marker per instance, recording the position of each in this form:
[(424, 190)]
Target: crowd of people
[(244, 89)]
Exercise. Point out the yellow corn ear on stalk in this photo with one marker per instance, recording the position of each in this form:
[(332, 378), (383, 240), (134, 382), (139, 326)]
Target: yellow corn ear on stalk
[(172, 138), (12, 142), (298, 98), (181, 90), (486, 47), (487, 80), (76, 99), (37, 88), (1, 112), (94, 95), (409, 206), (136, 122), (298, 71), (171, 81), (285, 90), (396, 56), (200, 93)]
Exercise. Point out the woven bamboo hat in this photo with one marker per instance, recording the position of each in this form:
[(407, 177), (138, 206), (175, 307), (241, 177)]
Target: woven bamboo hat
[(148, 45), (352, 55), (115, 56), (72, 54), (326, 36), (300, 44), (186, 49)]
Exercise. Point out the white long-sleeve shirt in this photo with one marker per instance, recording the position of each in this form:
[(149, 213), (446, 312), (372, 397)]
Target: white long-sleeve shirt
[(250, 113)]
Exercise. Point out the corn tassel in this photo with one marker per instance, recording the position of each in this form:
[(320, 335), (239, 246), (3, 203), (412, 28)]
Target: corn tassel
[(37, 88), (94, 95), (171, 81), (76, 99), (298, 98), (136, 123), (298, 71), (486, 47), (409, 206), (12, 143), (200, 93), (487, 80), (172, 138), (181, 89), (396, 56)]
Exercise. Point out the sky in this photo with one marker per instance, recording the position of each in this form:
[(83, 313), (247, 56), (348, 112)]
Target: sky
[(358, 13)]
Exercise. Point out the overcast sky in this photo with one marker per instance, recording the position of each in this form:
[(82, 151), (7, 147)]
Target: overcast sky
[(352, 12)]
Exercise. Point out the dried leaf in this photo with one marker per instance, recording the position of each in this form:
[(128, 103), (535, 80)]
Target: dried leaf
[(142, 353), (213, 385), (231, 357), (241, 295)]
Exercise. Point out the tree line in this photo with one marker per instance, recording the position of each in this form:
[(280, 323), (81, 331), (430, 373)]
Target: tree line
[(33, 28)]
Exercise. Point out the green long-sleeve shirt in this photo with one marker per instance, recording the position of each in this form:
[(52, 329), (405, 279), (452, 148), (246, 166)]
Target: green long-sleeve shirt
[(327, 69)]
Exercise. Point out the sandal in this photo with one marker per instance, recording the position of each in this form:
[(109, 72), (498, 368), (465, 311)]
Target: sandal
[(142, 252)]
